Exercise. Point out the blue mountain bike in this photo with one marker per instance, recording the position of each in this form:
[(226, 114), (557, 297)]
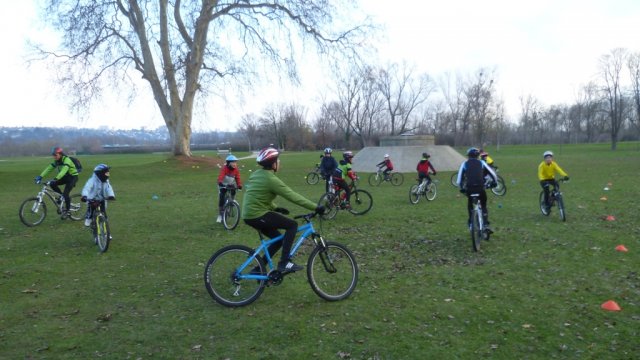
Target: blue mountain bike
[(236, 275)]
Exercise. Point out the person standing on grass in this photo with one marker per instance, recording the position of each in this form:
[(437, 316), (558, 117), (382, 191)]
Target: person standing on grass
[(547, 174), (328, 165), (229, 176), (67, 176), (261, 213)]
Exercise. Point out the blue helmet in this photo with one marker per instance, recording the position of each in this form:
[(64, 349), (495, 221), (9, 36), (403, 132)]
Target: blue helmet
[(231, 158), (473, 152), (101, 168)]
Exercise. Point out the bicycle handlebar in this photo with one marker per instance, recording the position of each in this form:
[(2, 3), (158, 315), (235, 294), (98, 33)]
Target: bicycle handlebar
[(306, 217)]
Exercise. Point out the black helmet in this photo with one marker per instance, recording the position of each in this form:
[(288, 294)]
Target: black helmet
[(473, 152), (425, 155)]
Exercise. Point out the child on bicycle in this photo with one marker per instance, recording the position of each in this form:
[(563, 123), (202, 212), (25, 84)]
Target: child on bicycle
[(471, 180), (328, 165), (484, 156), (547, 174), (97, 188), (260, 212), (387, 164), (229, 177), (343, 171), (423, 168), (67, 175)]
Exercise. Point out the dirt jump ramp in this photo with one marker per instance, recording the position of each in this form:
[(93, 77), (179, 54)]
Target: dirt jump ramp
[(405, 158)]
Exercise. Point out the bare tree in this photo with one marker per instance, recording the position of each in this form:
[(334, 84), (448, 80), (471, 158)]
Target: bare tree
[(633, 64), (403, 92), (183, 48), (249, 127), (611, 66)]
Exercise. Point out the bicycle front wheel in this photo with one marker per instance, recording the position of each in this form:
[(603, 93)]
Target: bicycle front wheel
[(222, 276), (75, 209), (561, 211), (361, 202), (501, 189), (331, 204), (414, 194), (102, 233), (332, 271), (397, 179), (231, 215), (432, 190), (313, 178), (32, 211), (375, 179), (454, 179)]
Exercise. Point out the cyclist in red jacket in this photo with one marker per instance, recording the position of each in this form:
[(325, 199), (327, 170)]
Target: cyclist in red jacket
[(423, 168), (229, 175), (387, 164)]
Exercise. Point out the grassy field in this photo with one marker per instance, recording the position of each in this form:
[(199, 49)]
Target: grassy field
[(533, 292)]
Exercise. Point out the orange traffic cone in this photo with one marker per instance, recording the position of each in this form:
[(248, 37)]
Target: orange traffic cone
[(622, 248), (610, 306), (610, 218)]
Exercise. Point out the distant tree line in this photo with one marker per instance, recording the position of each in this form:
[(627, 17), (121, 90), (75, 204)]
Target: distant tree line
[(368, 102)]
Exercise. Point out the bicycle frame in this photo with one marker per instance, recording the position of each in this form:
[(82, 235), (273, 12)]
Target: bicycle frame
[(306, 230), (477, 207), (51, 195)]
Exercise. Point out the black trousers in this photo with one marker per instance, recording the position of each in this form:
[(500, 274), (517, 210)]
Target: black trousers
[(69, 181), (483, 202), (268, 224)]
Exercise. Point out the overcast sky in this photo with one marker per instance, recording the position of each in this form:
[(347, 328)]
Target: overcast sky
[(546, 48)]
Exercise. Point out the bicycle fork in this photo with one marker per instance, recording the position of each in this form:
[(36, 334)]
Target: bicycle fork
[(327, 262)]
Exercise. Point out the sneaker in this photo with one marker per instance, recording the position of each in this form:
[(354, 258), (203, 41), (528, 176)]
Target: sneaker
[(87, 222), (488, 230), (219, 219), (289, 267)]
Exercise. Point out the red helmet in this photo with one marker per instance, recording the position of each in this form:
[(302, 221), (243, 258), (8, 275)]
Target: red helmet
[(56, 150), (267, 156)]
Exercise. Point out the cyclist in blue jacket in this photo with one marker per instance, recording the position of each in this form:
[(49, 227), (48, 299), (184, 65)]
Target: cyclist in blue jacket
[(471, 180)]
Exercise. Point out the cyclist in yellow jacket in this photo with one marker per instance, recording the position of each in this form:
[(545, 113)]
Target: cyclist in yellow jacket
[(547, 174)]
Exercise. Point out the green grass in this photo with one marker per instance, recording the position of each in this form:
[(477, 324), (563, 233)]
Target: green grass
[(534, 291)]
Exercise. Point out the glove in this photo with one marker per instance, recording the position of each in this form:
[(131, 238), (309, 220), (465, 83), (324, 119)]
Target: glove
[(566, 178), (320, 209), (239, 187), (38, 179), (112, 198), (435, 173), (83, 199), (281, 210), (463, 191), (52, 182), (220, 185)]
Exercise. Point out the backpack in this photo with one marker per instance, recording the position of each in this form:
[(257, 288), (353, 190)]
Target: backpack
[(76, 163)]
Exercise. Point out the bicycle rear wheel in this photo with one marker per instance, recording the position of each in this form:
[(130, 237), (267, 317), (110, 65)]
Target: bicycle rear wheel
[(332, 271), (222, 280), (231, 215), (501, 189), (432, 190), (414, 194), (32, 212), (102, 233), (476, 233), (543, 206), (397, 178), (561, 211), (361, 202), (331, 204), (375, 179), (313, 178)]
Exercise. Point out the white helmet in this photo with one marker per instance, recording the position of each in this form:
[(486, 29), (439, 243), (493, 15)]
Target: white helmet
[(386, 156), (547, 153)]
